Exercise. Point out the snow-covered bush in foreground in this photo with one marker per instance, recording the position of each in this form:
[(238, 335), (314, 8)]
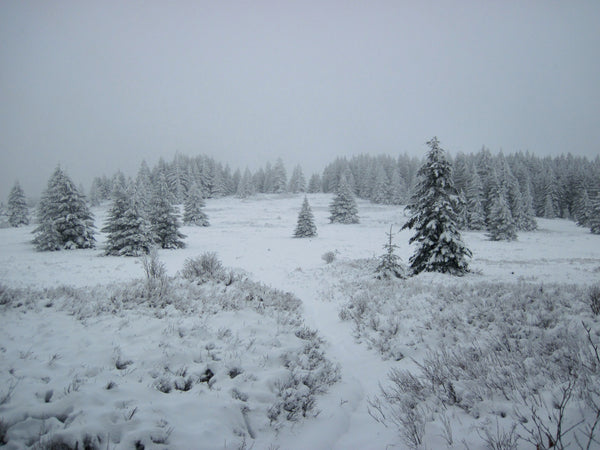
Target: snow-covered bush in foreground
[(109, 367), (510, 364)]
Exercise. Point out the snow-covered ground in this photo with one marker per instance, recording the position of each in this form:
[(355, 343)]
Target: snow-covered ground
[(56, 363)]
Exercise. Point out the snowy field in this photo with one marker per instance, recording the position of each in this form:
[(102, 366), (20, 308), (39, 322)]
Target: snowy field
[(223, 364)]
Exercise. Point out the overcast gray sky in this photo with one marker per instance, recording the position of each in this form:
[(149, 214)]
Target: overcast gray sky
[(98, 86)]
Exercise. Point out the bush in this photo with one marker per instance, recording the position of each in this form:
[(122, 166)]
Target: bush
[(328, 257), (157, 282), (203, 268)]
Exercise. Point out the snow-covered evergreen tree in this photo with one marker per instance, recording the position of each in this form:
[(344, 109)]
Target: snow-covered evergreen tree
[(314, 184), (279, 177), (462, 216), (143, 188), (306, 223), (527, 220), (343, 208), (390, 264), (380, 191), (549, 211), (64, 220), (18, 213), (501, 226), (583, 209), (163, 218), (434, 218), (129, 233), (297, 181), (397, 188), (246, 186), (474, 209), (594, 219), (192, 208)]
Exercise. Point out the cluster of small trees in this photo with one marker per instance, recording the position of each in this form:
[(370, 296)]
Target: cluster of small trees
[(137, 221)]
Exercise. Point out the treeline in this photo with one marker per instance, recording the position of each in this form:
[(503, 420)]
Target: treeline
[(563, 186), (212, 178)]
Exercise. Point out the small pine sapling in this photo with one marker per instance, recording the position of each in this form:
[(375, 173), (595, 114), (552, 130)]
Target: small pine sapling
[(390, 264)]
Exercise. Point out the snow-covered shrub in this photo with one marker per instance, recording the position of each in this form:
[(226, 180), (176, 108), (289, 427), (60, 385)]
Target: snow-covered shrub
[(310, 373), (328, 257), (221, 348), (512, 351), (203, 268), (157, 281)]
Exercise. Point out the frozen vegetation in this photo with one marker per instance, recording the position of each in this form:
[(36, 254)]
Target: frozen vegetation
[(249, 338)]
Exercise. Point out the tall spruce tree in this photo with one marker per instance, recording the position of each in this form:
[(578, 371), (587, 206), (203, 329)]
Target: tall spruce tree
[(306, 223), (192, 208), (129, 232), (343, 207), (18, 213), (434, 218), (65, 222), (163, 218)]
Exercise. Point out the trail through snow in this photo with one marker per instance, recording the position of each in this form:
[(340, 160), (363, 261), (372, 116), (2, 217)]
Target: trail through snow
[(344, 421)]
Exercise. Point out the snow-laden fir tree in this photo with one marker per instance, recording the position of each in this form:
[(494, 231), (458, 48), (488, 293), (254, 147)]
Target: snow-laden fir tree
[(397, 188), (279, 180), (246, 186), (501, 226), (18, 213), (474, 208), (549, 212), (64, 220), (163, 218), (380, 191), (433, 217), (297, 181), (594, 219), (193, 213), (314, 184), (527, 220), (343, 207), (390, 264), (129, 232), (583, 209), (306, 224)]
